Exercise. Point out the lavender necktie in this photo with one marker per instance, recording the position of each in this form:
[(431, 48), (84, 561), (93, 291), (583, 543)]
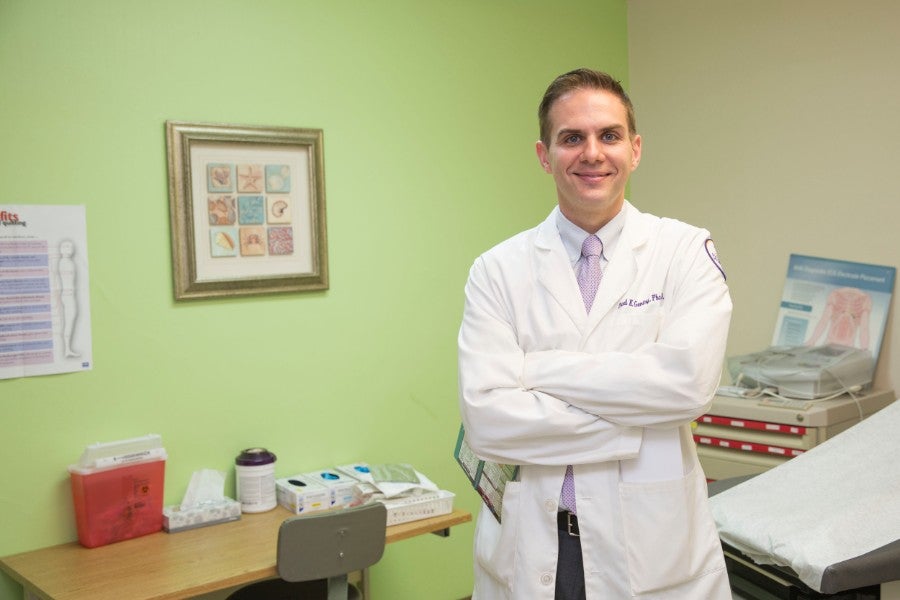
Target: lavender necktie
[(588, 280)]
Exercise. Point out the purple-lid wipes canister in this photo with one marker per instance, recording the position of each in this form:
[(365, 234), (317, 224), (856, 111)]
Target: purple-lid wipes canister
[(254, 470)]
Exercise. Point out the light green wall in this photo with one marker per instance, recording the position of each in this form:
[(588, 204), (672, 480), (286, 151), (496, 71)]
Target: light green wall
[(428, 113)]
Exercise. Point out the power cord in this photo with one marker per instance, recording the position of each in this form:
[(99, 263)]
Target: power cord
[(737, 391)]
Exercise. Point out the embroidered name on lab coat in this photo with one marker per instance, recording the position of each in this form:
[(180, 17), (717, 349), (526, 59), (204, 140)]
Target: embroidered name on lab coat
[(631, 302)]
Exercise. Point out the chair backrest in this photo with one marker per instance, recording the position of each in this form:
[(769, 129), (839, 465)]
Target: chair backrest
[(331, 544)]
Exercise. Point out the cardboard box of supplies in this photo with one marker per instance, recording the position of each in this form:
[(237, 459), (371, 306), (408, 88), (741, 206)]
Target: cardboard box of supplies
[(341, 485), (301, 494)]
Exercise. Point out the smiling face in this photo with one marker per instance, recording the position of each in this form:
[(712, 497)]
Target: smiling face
[(591, 155)]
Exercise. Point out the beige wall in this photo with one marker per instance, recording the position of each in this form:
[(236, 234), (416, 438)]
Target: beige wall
[(775, 124)]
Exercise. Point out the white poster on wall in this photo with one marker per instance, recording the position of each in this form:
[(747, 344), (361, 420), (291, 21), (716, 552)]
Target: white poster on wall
[(828, 301), (45, 315)]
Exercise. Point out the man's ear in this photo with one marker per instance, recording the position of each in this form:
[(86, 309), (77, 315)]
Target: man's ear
[(543, 155), (636, 152)]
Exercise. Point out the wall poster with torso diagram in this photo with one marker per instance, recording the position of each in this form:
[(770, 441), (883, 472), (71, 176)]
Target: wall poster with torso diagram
[(829, 301), (45, 318)]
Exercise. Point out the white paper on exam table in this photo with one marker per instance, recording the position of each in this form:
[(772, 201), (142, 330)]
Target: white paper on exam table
[(830, 504)]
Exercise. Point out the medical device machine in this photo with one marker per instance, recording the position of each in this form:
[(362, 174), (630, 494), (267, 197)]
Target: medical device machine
[(804, 371)]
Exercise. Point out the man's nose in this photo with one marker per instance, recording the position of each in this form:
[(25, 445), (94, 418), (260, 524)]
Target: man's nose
[(593, 151)]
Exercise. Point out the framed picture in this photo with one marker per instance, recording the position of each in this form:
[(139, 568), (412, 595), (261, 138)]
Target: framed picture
[(247, 209)]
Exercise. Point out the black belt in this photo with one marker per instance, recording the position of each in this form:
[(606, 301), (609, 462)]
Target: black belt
[(567, 522)]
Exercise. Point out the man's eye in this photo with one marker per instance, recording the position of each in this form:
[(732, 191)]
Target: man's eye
[(610, 137), (572, 139)]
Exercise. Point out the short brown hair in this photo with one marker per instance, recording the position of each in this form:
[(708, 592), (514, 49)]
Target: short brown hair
[(577, 80)]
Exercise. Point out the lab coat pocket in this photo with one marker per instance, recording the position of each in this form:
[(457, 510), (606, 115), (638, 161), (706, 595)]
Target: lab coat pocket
[(670, 536), (660, 458), (495, 549)]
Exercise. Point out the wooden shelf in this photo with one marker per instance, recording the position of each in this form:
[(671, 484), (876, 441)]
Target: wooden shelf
[(163, 566)]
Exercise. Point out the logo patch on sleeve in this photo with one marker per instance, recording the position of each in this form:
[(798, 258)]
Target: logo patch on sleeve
[(714, 257)]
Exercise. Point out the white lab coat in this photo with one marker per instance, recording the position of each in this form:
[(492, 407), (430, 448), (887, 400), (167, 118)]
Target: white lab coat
[(613, 392)]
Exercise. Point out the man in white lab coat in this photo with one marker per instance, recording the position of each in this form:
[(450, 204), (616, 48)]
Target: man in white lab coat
[(603, 389)]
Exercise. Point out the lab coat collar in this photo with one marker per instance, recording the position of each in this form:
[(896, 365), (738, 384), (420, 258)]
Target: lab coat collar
[(556, 274)]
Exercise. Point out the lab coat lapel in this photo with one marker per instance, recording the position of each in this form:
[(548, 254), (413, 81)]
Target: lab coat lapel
[(622, 268), (555, 273)]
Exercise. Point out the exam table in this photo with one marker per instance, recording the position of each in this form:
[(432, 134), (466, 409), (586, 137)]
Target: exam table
[(796, 531), (859, 578)]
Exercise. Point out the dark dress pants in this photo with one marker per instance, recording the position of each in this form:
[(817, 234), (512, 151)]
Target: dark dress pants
[(570, 568)]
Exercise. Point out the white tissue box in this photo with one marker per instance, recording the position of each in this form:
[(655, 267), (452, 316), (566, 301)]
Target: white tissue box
[(177, 519), (301, 494), (341, 485)]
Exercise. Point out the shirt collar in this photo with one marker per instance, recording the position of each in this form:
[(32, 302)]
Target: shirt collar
[(573, 236)]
